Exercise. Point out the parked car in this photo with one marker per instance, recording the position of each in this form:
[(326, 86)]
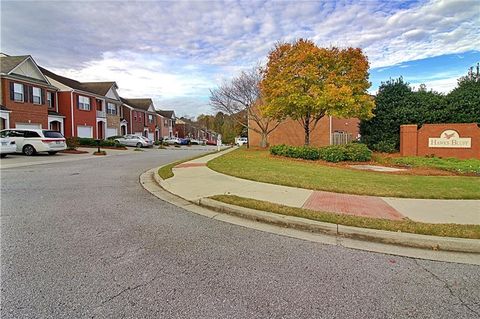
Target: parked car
[(195, 142), (32, 141), (184, 141), (7, 146), (172, 141), (135, 140), (241, 141)]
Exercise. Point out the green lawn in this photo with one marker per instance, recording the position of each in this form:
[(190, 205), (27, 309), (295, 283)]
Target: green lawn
[(166, 171), (467, 166), (261, 166), (407, 226)]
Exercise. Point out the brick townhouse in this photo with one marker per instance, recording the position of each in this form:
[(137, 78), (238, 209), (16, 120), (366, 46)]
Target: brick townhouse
[(141, 115), (91, 109), (27, 97), (168, 123)]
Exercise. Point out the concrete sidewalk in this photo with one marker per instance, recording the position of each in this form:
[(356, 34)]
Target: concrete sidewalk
[(193, 180)]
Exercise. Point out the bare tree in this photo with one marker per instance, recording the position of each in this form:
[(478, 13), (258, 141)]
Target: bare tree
[(241, 99)]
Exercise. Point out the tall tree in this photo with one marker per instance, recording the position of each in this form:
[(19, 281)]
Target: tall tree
[(306, 83), (241, 99)]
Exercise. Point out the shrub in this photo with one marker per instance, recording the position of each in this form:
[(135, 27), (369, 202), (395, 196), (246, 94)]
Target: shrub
[(72, 143), (86, 141), (356, 152), (333, 153), (385, 146)]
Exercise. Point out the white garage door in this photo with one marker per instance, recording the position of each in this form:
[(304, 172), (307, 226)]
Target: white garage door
[(112, 131), (151, 136), (28, 126), (85, 131)]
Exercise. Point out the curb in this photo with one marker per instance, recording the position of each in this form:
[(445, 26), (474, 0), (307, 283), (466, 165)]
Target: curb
[(337, 233), (386, 237)]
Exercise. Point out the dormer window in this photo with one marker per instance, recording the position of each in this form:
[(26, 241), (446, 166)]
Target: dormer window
[(111, 109), (150, 118)]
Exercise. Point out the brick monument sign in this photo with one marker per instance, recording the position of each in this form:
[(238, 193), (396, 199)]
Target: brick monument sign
[(443, 140)]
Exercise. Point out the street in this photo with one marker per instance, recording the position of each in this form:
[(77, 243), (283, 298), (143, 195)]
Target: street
[(83, 239)]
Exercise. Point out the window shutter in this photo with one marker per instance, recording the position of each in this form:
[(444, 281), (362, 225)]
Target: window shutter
[(53, 100), (90, 101), (12, 92), (42, 96), (25, 93), (78, 101), (30, 88)]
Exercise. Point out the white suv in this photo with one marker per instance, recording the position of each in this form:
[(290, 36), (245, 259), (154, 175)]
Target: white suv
[(31, 141)]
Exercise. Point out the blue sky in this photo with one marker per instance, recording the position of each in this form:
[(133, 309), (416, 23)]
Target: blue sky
[(175, 51)]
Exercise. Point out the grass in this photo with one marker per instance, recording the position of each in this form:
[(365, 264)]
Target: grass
[(466, 166), (261, 166), (407, 226), (166, 171)]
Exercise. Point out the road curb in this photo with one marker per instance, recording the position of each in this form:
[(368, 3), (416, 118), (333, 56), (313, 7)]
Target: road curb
[(387, 237), (410, 245)]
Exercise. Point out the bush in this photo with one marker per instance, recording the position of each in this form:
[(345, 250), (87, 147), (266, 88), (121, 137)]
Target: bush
[(355, 152), (72, 143), (85, 141), (386, 146), (333, 153)]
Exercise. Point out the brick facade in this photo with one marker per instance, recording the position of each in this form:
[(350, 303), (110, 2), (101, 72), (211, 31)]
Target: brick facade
[(81, 117), (291, 132), (25, 112), (415, 142)]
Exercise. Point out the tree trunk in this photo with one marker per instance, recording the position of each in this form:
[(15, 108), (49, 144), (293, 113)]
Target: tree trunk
[(263, 141), (306, 127)]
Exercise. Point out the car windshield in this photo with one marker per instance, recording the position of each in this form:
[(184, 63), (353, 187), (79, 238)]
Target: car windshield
[(52, 134)]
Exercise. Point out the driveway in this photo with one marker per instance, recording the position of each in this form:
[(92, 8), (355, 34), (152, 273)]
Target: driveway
[(83, 239)]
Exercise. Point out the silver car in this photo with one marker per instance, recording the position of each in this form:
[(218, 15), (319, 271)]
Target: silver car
[(135, 140)]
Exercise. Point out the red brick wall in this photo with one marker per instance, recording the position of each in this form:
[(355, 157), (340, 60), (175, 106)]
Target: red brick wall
[(290, 132), (138, 121), (126, 116), (80, 117), (350, 126), (151, 126), (408, 139), (25, 112)]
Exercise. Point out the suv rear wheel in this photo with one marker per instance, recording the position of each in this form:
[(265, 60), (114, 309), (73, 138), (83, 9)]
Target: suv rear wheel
[(29, 150)]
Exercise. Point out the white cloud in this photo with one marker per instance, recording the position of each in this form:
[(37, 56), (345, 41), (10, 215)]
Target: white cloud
[(174, 50)]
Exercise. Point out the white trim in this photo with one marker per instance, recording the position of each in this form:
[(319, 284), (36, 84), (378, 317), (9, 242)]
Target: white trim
[(53, 118), (71, 110), (36, 66), (6, 116), (330, 124)]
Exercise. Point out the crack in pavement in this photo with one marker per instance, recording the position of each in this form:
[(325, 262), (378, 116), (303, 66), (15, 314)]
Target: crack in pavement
[(130, 289), (446, 285)]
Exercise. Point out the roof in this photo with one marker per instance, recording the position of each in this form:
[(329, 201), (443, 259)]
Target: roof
[(3, 108), (166, 113), (54, 113), (8, 63), (99, 88), (143, 104)]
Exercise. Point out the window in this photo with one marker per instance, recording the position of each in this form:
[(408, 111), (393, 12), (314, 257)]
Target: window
[(37, 95), (83, 103), (150, 118), (165, 122), (50, 99), (31, 134), (139, 117), (52, 134), (111, 109), (18, 92)]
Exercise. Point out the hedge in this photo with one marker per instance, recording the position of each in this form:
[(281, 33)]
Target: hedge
[(74, 142), (354, 152)]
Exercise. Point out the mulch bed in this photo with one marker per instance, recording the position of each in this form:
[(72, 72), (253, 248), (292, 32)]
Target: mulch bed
[(106, 147), (74, 152)]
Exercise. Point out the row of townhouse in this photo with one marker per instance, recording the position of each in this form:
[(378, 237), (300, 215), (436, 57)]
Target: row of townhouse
[(185, 128), (34, 97)]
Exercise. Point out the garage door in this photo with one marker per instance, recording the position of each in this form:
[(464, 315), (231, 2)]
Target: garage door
[(85, 131), (28, 126), (112, 131)]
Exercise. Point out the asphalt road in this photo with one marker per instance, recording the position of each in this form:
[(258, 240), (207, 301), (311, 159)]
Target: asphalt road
[(83, 239)]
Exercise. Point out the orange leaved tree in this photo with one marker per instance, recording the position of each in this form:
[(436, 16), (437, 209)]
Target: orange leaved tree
[(305, 82)]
